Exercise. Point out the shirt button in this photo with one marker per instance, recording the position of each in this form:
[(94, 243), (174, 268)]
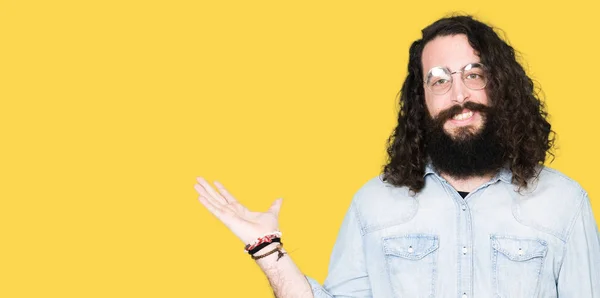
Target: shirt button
[(410, 249), (464, 250), (464, 295), (464, 208)]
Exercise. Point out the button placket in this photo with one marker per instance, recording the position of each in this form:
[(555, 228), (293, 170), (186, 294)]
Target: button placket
[(464, 254)]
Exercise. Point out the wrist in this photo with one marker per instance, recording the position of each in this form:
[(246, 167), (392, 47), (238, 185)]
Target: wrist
[(262, 241), (271, 254), (267, 248)]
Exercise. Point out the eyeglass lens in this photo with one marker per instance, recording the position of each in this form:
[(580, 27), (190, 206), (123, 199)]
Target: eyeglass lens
[(439, 79)]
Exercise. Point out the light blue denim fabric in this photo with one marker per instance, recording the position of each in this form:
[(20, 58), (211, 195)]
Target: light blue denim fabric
[(497, 242)]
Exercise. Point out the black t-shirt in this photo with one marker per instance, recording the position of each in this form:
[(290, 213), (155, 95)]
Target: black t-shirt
[(463, 194)]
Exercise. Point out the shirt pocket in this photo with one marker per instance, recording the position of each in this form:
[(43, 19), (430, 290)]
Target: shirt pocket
[(517, 265), (411, 264)]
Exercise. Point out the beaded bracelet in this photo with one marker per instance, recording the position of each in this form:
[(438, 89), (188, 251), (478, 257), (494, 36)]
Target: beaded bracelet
[(278, 249), (263, 245), (266, 238)]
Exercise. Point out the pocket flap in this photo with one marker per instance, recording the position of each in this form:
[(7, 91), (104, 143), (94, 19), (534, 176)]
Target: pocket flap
[(519, 249), (413, 247)]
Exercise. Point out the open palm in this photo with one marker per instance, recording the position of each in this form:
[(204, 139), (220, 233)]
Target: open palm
[(245, 224)]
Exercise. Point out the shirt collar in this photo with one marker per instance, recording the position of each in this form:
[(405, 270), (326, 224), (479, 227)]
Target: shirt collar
[(504, 175), (429, 170)]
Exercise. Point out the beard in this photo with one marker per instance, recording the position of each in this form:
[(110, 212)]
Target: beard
[(468, 152)]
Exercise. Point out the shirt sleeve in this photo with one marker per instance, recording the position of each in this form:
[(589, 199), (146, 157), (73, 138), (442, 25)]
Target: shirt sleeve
[(347, 276), (579, 275)]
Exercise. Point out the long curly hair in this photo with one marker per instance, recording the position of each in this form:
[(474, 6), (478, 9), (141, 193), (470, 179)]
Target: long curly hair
[(523, 128)]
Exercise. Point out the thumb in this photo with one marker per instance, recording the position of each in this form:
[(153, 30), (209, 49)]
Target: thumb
[(275, 207)]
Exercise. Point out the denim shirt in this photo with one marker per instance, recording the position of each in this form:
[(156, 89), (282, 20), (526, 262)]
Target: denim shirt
[(541, 241)]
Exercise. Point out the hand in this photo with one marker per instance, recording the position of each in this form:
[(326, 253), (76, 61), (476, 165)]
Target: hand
[(245, 224)]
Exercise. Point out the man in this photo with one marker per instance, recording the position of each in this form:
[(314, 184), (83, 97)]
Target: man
[(464, 208)]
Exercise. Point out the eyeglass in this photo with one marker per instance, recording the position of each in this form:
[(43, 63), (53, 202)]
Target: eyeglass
[(439, 79)]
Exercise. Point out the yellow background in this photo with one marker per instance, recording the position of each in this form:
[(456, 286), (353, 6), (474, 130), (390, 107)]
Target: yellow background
[(110, 109)]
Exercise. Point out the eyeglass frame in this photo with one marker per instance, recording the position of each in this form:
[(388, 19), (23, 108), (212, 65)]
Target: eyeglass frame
[(451, 73)]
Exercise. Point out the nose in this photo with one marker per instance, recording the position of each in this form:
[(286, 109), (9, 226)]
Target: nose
[(460, 92)]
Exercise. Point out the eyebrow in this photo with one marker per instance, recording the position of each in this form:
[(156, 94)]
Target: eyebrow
[(448, 68), (429, 74)]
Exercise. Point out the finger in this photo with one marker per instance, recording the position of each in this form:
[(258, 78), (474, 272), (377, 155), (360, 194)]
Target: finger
[(276, 207), (212, 208), (231, 201), (202, 192), (228, 197), (211, 191), (221, 204)]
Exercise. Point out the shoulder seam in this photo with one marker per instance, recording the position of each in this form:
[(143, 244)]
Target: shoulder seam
[(563, 237), (571, 225), (561, 175), (577, 215), (356, 214)]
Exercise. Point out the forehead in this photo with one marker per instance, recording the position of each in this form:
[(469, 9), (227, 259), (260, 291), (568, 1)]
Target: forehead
[(453, 52)]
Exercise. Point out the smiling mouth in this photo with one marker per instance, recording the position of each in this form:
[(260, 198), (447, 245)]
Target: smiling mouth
[(463, 116)]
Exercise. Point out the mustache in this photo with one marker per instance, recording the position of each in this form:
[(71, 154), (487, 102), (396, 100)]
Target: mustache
[(454, 110)]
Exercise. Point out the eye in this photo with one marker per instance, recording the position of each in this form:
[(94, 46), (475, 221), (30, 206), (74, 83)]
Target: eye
[(440, 82), (474, 76)]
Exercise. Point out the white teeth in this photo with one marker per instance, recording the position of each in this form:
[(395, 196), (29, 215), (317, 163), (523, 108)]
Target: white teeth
[(463, 116)]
